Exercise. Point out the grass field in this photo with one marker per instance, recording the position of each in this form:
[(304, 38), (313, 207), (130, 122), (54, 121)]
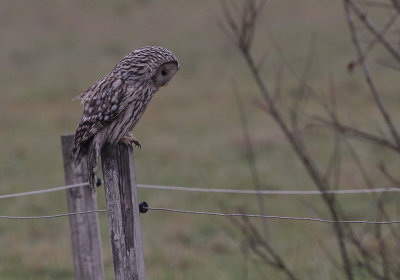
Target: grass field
[(51, 51)]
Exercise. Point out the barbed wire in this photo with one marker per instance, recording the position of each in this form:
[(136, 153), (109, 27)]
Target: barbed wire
[(211, 214), (215, 190)]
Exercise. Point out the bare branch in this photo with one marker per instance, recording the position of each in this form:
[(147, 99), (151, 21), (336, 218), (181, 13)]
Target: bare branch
[(302, 93), (370, 26), (335, 159), (376, 4), (250, 153), (396, 5), (300, 150), (356, 133), (389, 64), (395, 182), (372, 43), (260, 246), (356, 255), (375, 93)]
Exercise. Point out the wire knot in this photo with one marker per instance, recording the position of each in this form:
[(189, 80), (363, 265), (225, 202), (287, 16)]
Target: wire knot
[(143, 207)]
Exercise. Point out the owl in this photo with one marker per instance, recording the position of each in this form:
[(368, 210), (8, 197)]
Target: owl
[(113, 105)]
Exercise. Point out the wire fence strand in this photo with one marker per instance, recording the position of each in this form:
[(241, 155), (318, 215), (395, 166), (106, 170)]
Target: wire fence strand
[(273, 217), (268, 192), (213, 190), (216, 190), (51, 216), (307, 219), (53, 189)]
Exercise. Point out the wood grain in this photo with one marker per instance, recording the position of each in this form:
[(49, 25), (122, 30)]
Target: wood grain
[(85, 234), (123, 212)]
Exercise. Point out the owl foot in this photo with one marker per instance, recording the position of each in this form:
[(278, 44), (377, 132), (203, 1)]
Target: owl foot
[(130, 140)]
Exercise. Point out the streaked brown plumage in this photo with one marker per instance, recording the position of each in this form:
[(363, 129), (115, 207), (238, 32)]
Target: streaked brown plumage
[(113, 105)]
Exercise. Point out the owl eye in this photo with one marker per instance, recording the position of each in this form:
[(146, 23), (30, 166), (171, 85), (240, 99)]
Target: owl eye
[(163, 72)]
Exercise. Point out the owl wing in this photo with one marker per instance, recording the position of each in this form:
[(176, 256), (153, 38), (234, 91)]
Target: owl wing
[(103, 102)]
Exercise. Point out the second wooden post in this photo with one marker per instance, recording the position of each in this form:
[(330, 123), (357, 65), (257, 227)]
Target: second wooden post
[(85, 230), (123, 212)]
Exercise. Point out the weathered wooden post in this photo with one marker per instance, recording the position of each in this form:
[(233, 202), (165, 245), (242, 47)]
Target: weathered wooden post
[(123, 212), (85, 234)]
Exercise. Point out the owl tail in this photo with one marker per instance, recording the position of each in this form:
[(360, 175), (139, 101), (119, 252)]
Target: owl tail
[(92, 159), (89, 150)]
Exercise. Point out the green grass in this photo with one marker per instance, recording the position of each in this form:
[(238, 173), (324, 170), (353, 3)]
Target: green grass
[(191, 135)]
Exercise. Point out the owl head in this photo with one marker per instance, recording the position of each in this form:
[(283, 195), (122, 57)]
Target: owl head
[(155, 65)]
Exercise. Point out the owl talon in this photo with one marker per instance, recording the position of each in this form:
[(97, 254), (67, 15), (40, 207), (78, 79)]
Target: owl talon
[(130, 140), (137, 144)]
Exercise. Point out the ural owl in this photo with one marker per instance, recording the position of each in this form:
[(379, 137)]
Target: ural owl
[(113, 105)]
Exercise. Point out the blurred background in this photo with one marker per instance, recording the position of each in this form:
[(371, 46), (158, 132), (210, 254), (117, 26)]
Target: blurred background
[(191, 134)]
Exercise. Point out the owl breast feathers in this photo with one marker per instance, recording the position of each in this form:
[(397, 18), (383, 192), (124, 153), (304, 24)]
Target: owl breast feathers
[(113, 105)]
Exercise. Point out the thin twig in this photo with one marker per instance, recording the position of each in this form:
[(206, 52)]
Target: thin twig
[(375, 93), (250, 152), (373, 42), (363, 17)]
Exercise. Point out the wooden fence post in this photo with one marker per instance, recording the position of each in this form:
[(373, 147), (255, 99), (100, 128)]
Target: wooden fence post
[(123, 212), (85, 234)]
